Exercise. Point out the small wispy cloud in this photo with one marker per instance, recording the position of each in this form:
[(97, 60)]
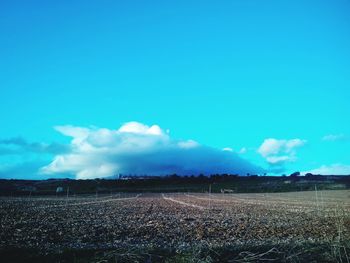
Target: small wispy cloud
[(274, 160), (136, 148), (227, 149), (334, 137), (243, 150)]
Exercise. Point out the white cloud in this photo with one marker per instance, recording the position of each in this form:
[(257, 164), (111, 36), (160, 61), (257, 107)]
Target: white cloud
[(136, 148), (139, 128), (279, 159), (78, 133), (243, 150), (188, 144), (227, 149), (277, 152), (334, 169), (334, 137)]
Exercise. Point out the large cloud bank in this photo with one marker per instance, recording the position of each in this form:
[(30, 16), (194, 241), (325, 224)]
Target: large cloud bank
[(139, 149)]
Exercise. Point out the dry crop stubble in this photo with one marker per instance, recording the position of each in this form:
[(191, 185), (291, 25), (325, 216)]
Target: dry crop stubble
[(179, 221)]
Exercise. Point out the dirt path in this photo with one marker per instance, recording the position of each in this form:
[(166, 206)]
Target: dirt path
[(183, 203)]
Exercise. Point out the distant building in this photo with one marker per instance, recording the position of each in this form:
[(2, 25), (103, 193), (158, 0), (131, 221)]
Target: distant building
[(59, 189)]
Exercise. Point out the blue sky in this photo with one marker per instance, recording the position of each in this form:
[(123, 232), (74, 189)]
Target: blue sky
[(229, 74)]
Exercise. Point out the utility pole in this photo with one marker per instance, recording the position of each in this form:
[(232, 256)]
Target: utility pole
[(318, 210), (67, 195), (209, 196)]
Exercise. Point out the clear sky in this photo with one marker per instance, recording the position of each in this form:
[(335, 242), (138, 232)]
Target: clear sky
[(269, 80)]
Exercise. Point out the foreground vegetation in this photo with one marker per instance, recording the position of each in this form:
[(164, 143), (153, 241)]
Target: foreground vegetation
[(174, 183), (300, 252)]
